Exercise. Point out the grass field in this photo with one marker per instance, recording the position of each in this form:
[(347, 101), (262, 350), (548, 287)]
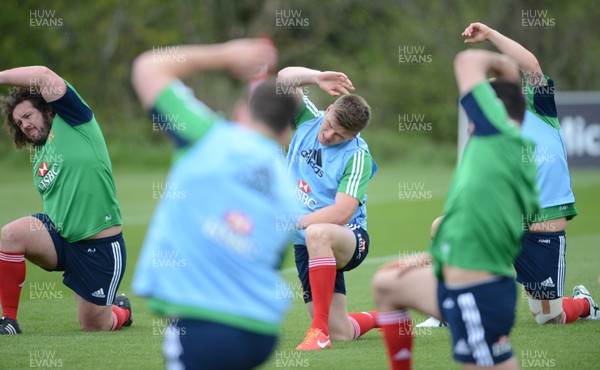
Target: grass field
[(52, 337)]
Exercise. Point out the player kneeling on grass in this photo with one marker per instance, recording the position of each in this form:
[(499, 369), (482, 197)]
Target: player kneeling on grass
[(332, 167), (541, 264), (471, 284), (210, 261), (80, 230)]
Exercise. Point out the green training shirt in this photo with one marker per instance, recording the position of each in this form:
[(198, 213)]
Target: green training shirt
[(73, 173), (491, 193)]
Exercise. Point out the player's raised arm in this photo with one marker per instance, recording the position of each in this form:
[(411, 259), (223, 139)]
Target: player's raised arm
[(472, 66), (528, 63), (156, 69), (333, 83), (49, 84)]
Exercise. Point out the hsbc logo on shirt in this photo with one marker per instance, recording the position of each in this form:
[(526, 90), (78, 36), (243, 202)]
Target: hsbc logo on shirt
[(48, 175), (239, 222), (43, 169), (304, 186), (302, 191)]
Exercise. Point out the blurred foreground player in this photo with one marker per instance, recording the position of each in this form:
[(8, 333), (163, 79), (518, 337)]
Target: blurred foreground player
[(332, 167), (80, 230), (471, 284), (541, 265), (210, 260)]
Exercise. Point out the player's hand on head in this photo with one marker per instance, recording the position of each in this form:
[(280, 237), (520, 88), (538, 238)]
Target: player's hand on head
[(475, 33), (246, 58), (334, 83)]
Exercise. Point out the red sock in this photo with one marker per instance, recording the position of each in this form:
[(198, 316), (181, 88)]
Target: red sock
[(574, 309), (321, 273), (12, 277), (362, 322), (397, 333), (119, 316)]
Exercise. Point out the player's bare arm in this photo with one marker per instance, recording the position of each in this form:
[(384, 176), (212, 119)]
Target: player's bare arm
[(528, 63), (472, 66), (244, 58), (333, 83), (51, 85), (338, 213)]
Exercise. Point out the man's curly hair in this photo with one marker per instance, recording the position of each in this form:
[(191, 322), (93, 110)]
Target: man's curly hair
[(16, 96)]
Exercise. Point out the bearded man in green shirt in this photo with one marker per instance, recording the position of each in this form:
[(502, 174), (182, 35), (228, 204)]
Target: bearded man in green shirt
[(80, 230)]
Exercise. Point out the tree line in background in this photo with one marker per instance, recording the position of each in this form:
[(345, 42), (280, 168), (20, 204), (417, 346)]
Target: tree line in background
[(397, 53)]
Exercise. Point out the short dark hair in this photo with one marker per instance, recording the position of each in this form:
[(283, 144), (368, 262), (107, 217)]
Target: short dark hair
[(16, 96), (511, 95), (352, 112), (273, 105)]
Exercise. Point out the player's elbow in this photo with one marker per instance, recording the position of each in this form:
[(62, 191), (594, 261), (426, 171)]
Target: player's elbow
[(140, 69), (146, 79), (45, 76), (463, 66), (461, 58), (531, 64), (284, 74), (463, 62), (45, 72)]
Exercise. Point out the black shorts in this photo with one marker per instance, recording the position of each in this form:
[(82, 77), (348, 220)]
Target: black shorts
[(541, 264), (199, 344), (480, 318), (360, 253), (92, 268)]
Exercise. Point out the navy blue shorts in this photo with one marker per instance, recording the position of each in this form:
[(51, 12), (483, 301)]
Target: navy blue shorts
[(480, 318), (198, 344), (360, 253), (541, 264), (92, 268)]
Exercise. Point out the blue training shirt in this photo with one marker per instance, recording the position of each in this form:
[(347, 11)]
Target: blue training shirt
[(214, 246), (320, 171), (542, 127)]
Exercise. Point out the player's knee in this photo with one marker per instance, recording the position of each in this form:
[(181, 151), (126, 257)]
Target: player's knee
[(9, 238), (379, 287), (378, 282), (435, 224), (317, 236), (546, 311)]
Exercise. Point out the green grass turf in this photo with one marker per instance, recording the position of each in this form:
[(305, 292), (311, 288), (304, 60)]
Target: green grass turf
[(52, 337)]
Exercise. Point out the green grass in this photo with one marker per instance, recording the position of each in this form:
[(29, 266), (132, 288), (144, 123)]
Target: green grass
[(52, 337)]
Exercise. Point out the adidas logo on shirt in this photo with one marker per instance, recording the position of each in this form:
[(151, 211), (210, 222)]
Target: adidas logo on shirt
[(99, 293), (314, 160)]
